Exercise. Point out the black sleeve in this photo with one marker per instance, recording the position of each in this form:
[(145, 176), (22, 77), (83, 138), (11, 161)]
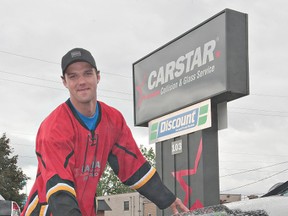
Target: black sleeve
[(61, 197), (157, 192), (62, 204)]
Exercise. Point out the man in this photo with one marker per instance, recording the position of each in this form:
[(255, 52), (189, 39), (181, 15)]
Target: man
[(75, 142)]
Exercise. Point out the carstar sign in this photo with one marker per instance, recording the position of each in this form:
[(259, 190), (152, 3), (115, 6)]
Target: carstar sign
[(177, 90), (185, 63), (208, 61)]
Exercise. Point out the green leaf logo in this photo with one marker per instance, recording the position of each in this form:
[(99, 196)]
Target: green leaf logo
[(203, 115), (153, 131)]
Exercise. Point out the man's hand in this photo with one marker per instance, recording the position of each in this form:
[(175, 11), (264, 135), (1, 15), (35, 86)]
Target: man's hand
[(177, 204)]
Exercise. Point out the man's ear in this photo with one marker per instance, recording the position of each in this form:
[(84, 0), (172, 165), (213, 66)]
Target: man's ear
[(64, 81), (98, 77)]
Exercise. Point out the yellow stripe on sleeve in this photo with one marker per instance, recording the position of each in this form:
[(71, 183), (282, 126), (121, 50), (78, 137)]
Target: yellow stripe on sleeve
[(60, 187), (32, 206), (144, 179), (43, 210)]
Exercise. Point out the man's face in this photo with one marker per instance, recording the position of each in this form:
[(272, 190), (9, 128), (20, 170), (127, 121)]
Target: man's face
[(81, 80)]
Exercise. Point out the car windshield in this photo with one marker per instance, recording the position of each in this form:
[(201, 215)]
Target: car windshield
[(285, 193)]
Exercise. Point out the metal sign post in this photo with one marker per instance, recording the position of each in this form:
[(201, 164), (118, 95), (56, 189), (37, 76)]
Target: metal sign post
[(179, 89), (192, 173)]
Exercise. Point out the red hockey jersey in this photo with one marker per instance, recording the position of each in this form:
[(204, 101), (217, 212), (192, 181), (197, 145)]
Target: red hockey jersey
[(71, 159)]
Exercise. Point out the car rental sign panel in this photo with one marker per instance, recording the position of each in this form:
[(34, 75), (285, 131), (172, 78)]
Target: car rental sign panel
[(187, 70)]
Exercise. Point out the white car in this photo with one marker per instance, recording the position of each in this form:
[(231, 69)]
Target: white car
[(274, 203), (9, 208), (272, 206)]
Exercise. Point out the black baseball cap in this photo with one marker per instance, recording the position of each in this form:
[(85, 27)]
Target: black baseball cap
[(77, 55)]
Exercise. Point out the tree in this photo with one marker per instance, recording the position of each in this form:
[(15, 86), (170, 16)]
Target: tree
[(110, 184), (12, 178)]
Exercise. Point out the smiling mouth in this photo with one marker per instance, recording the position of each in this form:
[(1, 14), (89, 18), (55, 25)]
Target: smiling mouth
[(81, 90)]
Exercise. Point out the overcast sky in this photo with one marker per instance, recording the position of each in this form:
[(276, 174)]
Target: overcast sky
[(35, 34)]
